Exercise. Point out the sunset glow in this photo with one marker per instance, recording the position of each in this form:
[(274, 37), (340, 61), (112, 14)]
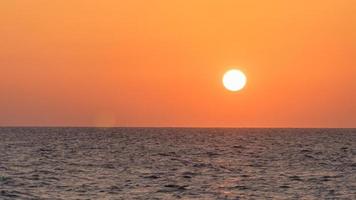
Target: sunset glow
[(177, 99), (160, 63)]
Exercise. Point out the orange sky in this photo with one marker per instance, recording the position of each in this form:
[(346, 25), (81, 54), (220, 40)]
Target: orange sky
[(159, 63)]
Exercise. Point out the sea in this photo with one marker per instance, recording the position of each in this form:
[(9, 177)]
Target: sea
[(177, 163)]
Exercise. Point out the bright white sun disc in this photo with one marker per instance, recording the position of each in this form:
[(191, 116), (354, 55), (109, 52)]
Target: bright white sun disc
[(234, 80)]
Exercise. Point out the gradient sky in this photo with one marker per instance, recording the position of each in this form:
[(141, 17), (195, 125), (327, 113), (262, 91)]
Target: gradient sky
[(160, 63)]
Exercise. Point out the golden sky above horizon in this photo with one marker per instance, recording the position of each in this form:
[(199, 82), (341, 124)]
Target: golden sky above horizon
[(160, 63)]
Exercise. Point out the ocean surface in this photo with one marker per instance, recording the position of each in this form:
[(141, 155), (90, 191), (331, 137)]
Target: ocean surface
[(169, 163)]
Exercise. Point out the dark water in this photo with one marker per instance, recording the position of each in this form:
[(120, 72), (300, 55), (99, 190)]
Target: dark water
[(87, 163)]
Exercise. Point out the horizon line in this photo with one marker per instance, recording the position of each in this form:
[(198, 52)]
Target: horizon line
[(182, 127)]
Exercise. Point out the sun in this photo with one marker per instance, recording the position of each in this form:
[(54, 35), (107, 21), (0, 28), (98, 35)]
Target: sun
[(234, 80)]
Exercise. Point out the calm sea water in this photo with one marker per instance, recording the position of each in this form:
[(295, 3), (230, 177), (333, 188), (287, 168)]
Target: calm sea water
[(145, 163)]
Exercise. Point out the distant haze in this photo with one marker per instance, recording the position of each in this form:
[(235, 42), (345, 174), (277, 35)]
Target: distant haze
[(160, 63)]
